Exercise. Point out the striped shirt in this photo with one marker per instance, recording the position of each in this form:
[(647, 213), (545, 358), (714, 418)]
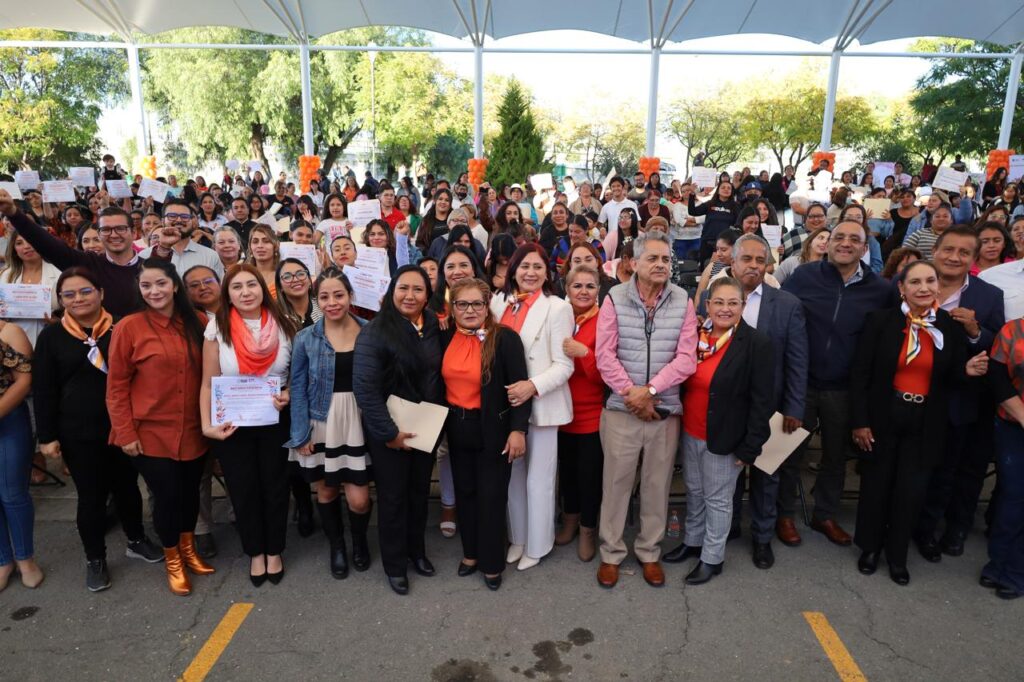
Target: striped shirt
[(923, 240)]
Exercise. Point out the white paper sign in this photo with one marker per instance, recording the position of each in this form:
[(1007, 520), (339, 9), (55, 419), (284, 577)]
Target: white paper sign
[(232, 165), (58, 190), (367, 288), (362, 212), (305, 253), (779, 446), (773, 235), (923, 191), (541, 181), (704, 177), (373, 259), (27, 179), (255, 166), (12, 189), (883, 169), (1016, 169), (154, 188), (876, 207), (819, 196), (118, 189), (949, 179), (25, 301), (244, 400), (82, 176)]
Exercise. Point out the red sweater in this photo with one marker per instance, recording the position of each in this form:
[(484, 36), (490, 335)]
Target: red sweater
[(586, 385)]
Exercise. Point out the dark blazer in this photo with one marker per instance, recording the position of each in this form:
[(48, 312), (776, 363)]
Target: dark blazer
[(740, 396), (874, 366), (781, 319), (376, 374), (498, 417)]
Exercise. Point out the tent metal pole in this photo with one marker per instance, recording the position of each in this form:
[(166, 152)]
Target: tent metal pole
[(1010, 105), (135, 82), (307, 100), (830, 102), (652, 102), (478, 102)]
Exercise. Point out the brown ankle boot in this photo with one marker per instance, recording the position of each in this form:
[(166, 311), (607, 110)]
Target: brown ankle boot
[(587, 546), (177, 579), (570, 524), (192, 560)]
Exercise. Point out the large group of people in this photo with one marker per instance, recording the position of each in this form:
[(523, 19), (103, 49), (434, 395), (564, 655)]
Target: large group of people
[(584, 341)]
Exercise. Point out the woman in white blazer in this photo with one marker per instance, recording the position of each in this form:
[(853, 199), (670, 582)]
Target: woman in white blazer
[(543, 321)]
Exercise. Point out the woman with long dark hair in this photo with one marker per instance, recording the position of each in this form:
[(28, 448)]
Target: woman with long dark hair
[(435, 220), (720, 212), (250, 336), (399, 353), (153, 380)]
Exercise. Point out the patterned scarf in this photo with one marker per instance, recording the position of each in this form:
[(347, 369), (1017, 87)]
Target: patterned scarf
[(101, 327), (914, 326), (480, 334), (518, 303), (583, 317), (255, 355), (705, 349)]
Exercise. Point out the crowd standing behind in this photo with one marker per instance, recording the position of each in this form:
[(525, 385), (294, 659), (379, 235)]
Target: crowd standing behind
[(580, 342)]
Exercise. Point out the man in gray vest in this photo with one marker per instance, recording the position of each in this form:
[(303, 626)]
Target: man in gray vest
[(646, 347)]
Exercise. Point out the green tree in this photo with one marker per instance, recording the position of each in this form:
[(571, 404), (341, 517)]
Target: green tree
[(960, 101), (51, 100), (518, 149), (710, 126), (623, 144)]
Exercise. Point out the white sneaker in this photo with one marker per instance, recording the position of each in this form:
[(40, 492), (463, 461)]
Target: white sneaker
[(515, 552), (527, 562)]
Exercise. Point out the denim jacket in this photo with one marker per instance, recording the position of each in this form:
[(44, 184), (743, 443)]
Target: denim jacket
[(312, 381)]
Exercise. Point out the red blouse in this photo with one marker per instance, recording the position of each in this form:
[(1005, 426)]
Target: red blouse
[(696, 397), (586, 385)]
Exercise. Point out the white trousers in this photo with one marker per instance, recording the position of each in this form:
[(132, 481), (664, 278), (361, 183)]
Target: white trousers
[(531, 493)]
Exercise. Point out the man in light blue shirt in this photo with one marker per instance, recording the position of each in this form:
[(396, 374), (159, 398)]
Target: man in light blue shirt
[(176, 243)]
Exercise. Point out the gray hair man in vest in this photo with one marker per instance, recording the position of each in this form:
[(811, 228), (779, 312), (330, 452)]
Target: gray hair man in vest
[(646, 348)]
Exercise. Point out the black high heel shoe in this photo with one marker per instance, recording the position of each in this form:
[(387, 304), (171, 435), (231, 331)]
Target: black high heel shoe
[(493, 583), (258, 580), (868, 563), (466, 569)]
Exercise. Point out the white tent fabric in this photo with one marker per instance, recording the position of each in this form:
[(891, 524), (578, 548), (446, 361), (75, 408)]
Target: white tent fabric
[(657, 21)]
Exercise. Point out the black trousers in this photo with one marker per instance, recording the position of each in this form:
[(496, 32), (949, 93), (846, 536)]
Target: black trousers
[(481, 493), (403, 486), (957, 482), (893, 484), (255, 470), (580, 475), (175, 487), (100, 470), (764, 494)]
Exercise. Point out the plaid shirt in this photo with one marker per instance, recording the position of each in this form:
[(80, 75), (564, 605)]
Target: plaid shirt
[(793, 240)]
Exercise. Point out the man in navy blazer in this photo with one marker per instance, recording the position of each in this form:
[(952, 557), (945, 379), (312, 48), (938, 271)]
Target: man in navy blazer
[(956, 483), (780, 316)]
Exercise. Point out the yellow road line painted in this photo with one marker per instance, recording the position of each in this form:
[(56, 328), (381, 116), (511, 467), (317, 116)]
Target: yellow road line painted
[(834, 648), (217, 643)]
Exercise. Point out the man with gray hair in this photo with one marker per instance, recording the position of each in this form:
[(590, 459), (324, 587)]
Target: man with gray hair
[(646, 348), (779, 316)]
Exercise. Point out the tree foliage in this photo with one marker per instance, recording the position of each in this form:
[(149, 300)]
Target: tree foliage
[(960, 101), (518, 149), (711, 126), (623, 145), (51, 101)]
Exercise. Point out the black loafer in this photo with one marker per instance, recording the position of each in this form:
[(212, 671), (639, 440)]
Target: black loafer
[(400, 584), (988, 583), (1007, 593), (493, 583), (763, 556), (703, 573), (423, 566), (929, 548), (952, 545), (868, 563), (680, 554), (899, 575), (466, 569)]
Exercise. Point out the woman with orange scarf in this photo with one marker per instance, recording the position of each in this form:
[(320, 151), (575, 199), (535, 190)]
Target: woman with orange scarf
[(250, 336), (69, 384)]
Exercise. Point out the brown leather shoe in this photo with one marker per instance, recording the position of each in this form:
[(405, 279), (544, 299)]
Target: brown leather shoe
[(787, 532), (587, 546), (653, 573), (607, 575), (833, 532)]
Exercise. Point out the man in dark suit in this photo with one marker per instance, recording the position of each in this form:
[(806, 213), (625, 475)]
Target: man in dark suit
[(956, 483), (779, 315)]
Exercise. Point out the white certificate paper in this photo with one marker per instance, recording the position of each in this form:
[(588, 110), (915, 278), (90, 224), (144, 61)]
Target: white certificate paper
[(368, 288), (12, 189), (374, 260), (118, 189), (27, 179), (780, 445), (244, 400), (305, 253), (949, 179), (82, 176), (154, 189), (362, 212), (423, 419), (25, 301), (58, 190), (704, 177), (773, 235)]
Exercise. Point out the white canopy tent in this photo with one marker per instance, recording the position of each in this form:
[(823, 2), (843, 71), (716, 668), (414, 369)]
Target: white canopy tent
[(654, 22)]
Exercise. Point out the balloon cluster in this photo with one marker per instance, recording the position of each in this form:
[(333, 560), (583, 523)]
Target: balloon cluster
[(477, 171), (650, 164), (818, 157), (308, 166), (148, 166), (998, 158)]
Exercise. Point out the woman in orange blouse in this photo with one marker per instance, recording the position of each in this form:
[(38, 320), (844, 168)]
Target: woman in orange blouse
[(265, 253), (909, 359), (485, 431), (155, 372)]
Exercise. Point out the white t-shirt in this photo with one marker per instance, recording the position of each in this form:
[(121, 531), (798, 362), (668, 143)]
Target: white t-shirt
[(229, 361), (334, 228), (610, 212)]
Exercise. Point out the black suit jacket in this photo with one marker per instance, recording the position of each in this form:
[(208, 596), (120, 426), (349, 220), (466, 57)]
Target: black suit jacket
[(781, 319), (874, 366), (498, 417), (740, 399)]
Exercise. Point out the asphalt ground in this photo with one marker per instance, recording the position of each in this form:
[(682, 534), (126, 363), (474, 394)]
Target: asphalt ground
[(811, 617)]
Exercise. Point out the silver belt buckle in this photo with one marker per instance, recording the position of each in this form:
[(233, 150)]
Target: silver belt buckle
[(912, 398)]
